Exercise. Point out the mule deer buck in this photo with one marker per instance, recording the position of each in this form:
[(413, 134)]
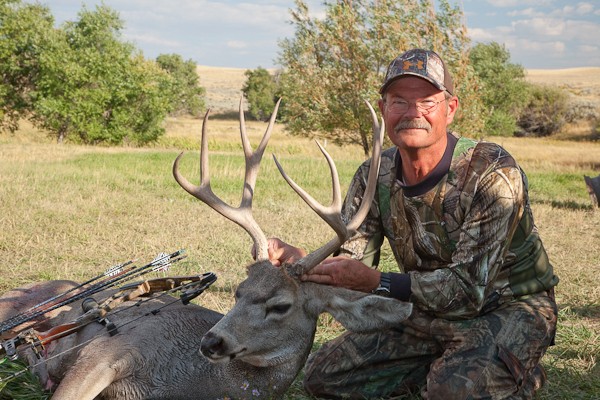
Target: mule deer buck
[(258, 348)]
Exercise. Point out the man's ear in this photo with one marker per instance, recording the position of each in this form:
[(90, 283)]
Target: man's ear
[(381, 104), (453, 104), (362, 312)]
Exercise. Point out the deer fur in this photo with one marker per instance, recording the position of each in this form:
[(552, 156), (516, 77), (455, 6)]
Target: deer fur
[(255, 351)]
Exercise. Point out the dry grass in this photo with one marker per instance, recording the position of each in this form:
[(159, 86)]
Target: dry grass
[(223, 86), (584, 81), (70, 212)]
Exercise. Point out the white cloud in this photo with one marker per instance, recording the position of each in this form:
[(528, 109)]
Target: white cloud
[(518, 3), (503, 3), (236, 44), (584, 8), (481, 35), (527, 12), (541, 47), (152, 39), (540, 27), (578, 10), (588, 49)]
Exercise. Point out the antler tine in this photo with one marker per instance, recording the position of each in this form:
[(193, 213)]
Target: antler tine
[(253, 158), (333, 214), (241, 215), (363, 210)]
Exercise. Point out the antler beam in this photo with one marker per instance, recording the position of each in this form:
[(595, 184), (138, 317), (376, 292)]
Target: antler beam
[(241, 215)]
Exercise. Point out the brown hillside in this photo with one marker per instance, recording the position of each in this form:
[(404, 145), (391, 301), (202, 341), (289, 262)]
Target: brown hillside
[(582, 82), (224, 85)]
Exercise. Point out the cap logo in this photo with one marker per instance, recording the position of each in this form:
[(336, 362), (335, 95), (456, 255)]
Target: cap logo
[(407, 65), (424, 63)]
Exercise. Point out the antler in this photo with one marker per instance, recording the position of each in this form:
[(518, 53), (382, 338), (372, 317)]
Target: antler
[(333, 214), (241, 215)]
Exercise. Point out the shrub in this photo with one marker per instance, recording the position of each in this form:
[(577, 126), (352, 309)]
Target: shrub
[(500, 123), (545, 113), (582, 110), (259, 90)]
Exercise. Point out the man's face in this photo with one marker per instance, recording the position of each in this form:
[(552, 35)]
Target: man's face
[(415, 128)]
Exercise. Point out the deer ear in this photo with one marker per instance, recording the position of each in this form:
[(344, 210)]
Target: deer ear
[(362, 313)]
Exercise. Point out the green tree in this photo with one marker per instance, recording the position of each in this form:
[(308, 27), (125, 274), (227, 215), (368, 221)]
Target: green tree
[(503, 90), (25, 31), (95, 88), (260, 90), (188, 94), (335, 63)]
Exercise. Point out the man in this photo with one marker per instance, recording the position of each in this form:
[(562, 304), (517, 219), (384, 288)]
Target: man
[(456, 214)]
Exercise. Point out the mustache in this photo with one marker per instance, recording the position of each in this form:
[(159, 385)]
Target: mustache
[(412, 124)]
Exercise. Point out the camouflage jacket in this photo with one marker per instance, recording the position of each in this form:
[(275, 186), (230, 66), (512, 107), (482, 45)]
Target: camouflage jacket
[(464, 237)]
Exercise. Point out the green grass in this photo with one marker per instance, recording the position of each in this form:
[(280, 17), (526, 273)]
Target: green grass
[(69, 212), (25, 387)]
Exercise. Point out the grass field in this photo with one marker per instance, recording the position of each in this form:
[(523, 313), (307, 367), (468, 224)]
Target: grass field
[(69, 212)]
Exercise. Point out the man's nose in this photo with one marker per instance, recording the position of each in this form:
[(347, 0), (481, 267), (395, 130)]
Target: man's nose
[(413, 111)]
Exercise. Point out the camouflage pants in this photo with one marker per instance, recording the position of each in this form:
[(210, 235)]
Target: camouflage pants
[(494, 356)]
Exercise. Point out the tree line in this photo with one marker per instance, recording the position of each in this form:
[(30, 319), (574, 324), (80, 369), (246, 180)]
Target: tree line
[(83, 82)]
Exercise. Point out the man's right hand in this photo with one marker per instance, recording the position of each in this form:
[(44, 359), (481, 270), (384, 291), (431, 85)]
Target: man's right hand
[(280, 252)]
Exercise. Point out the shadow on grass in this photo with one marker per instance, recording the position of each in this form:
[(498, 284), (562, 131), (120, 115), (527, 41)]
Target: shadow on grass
[(586, 311), (587, 136), (226, 115), (565, 204), (234, 116)]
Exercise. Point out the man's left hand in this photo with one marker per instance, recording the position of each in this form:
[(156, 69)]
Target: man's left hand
[(344, 272)]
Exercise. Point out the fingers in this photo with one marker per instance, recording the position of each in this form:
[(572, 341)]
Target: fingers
[(344, 272), (281, 252), (328, 272), (276, 251), (316, 278)]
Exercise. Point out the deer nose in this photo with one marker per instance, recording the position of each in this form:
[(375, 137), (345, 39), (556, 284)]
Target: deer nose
[(211, 344)]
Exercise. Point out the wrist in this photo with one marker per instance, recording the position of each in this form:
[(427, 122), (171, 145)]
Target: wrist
[(384, 286)]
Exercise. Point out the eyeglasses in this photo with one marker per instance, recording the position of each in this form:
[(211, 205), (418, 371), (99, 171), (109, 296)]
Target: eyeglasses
[(399, 106)]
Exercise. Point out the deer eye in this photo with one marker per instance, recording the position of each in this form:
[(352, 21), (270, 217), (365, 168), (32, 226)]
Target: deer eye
[(278, 308)]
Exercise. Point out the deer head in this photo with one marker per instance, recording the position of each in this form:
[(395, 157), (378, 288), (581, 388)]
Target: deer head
[(273, 321)]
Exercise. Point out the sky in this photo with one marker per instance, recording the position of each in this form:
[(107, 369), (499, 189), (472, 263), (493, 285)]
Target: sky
[(539, 34)]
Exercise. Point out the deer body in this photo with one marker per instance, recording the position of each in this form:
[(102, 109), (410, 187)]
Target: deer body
[(190, 352), (158, 357)]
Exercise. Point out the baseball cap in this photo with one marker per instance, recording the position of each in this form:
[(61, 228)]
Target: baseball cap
[(425, 64)]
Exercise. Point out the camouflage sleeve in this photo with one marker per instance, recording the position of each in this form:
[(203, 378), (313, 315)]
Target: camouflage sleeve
[(365, 245), (492, 210)]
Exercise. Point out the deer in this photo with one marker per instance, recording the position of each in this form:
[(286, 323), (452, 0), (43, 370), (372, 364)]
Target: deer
[(256, 350)]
